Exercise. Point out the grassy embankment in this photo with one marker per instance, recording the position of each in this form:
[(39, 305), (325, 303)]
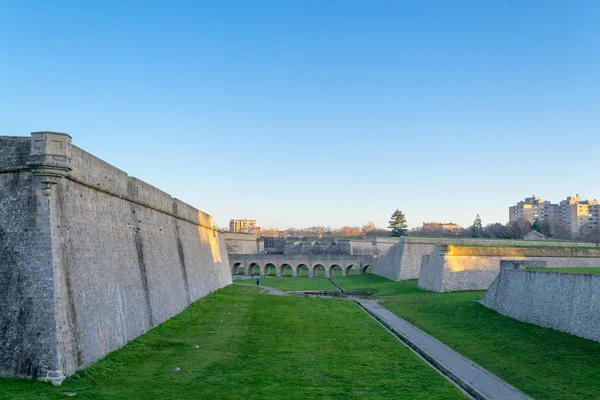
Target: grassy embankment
[(288, 284), (523, 246), (542, 362), (575, 270), (254, 346)]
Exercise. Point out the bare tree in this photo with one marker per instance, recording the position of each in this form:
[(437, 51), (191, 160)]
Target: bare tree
[(560, 231)]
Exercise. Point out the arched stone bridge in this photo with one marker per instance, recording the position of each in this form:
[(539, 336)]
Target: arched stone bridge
[(261, 264)]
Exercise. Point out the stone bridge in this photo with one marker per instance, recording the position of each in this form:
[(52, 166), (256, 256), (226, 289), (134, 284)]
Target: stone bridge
[(261, 264)]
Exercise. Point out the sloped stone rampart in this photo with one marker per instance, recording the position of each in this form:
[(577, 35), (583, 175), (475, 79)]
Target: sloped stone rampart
[(403, 260), (91, 258), (458, 268), (561, 301)]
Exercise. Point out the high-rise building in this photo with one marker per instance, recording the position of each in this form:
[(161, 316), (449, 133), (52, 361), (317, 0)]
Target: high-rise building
[(244, 225), (533, 209), (576, 213), (572, 212)]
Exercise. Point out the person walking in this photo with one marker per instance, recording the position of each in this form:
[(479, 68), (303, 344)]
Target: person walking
[(257, 281)]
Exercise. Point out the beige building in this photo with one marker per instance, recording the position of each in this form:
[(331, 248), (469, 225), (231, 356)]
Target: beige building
[(446, 227), (244, 225), (576, 213), (533, 209), (573, 212)]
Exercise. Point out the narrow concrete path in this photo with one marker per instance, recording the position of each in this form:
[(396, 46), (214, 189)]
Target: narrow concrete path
[(478, 382), (473, 379), (270, 290), (334, 284)]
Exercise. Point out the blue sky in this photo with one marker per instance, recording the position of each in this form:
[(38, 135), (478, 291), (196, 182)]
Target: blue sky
[(301, 113)]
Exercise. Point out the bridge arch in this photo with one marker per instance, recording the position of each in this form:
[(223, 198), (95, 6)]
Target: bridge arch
[(347, 269), (253, 269), (298, 269), (364, 269), (267, 269), (330, 270), (235, 268), (314, 271), (283, 268)]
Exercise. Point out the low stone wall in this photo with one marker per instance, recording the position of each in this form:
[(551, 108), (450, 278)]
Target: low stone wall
[(242, 243), (373, 246), (403, 260), (562, 301), (90, 258), (338, 248), (376, 246), (457, 268)]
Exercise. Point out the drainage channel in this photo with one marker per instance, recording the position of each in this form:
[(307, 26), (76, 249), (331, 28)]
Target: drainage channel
[(333, 283), (469, 377)]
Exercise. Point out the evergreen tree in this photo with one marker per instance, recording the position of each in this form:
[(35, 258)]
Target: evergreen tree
[(476, 229), (398, 224), (542, 226)]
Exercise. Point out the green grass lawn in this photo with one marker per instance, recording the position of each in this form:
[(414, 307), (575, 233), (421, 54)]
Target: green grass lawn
[(542, 362), (303, 273), (255, 346), (289, 284), (581, 270), (525, 246)]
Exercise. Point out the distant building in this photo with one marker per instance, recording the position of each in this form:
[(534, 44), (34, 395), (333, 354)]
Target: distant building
[(438, 226), (244, 225), (533, 209), (575, 212), (534, 235), (572, 212)]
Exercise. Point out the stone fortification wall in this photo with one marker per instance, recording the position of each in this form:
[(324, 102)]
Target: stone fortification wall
[(451, 268), (101, 258), (403, 260), (376, 246), (337, 248), (242, 243), (561, 301), (26, 283)]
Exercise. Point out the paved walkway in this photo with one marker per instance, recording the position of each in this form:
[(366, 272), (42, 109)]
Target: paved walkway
[(478, 382), (270, 290)]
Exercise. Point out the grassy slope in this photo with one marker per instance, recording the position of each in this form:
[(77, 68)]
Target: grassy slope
[(582, 270), (289, 284), (544, 363), (254, 346), (524, 246)]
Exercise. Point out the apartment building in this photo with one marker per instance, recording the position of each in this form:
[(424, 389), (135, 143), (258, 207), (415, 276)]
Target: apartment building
[(533, 209), (576, 213), (244, 225), (573, 212)]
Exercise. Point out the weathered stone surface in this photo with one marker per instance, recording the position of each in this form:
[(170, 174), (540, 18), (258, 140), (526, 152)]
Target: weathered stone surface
[(403, 260), (450, 268), (242, 243), (561, 301), (261, 263), (375, 246), (92, 263)]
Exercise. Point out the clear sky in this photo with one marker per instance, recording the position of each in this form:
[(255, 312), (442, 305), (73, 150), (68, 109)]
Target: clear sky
[(301, 113)]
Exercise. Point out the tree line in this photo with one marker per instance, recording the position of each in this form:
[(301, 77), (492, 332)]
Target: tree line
[(517, 229), (397, 226)]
